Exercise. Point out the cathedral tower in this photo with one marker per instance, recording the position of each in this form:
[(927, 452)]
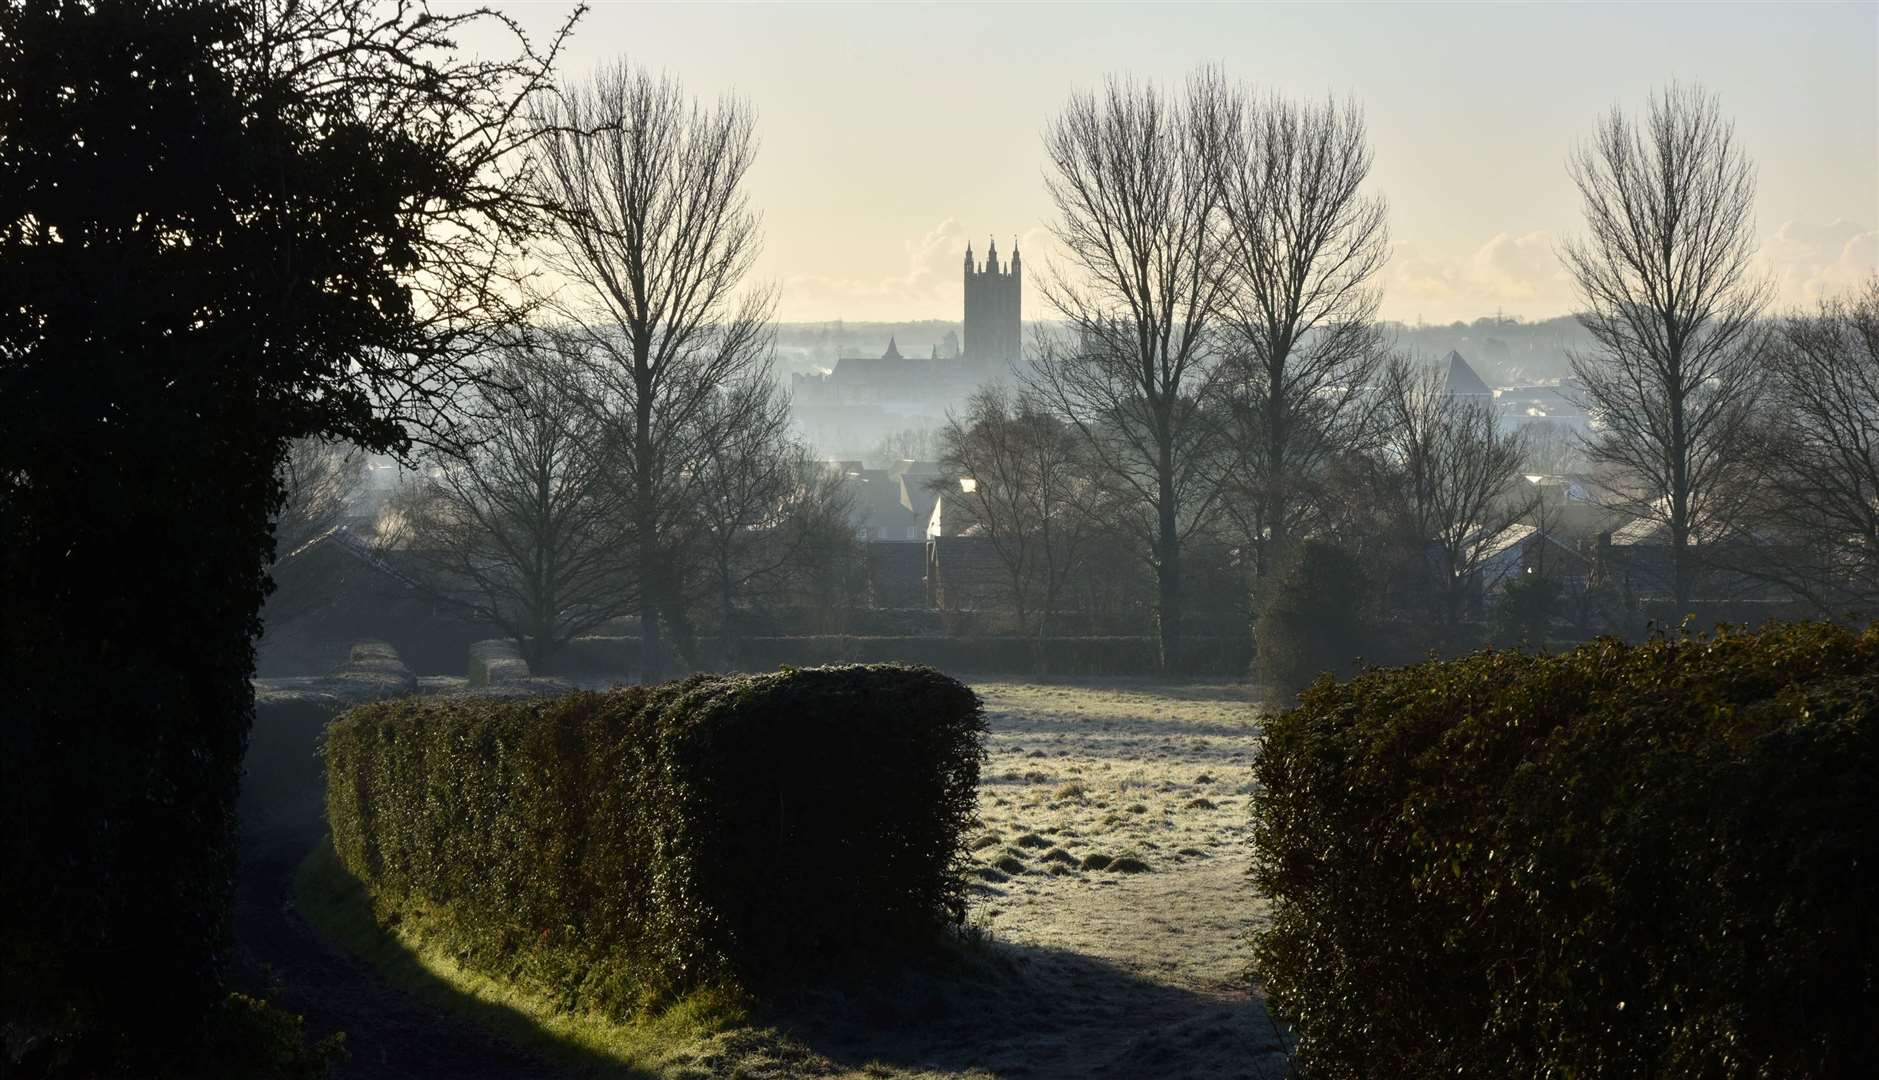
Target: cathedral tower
[(994, 309)]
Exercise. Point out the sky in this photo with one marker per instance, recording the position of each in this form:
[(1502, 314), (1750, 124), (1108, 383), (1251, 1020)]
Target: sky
[(893, 133)]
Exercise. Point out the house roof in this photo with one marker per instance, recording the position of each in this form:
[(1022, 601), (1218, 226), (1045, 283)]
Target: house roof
[(877, 501), (970, 573), (896, 574), (1462, 379)]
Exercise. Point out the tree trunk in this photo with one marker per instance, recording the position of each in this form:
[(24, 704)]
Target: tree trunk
[(1168, 569), (646, 514), (727, 621)]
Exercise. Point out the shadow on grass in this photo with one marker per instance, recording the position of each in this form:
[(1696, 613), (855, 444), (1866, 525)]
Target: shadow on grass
[(1118, 729), (336, 904), (978, 1007), (993, 1008)]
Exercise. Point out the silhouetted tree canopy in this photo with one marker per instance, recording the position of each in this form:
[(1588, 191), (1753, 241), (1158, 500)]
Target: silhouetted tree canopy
[(222, 226)]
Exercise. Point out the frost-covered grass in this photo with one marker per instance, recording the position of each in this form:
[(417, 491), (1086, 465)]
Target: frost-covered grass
[(1107, 932)]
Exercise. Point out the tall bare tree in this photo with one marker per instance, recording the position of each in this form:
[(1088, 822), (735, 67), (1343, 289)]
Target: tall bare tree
[(1304, 246), (1022, 476), (1456, 478), (1136, 368), (1820, 448), (1671, 301), (657, 237), (521, 523)]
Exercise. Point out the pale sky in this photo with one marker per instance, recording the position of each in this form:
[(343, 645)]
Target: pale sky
[(891, 133)]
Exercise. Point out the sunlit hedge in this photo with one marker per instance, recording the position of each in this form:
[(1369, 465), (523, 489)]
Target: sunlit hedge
[(1655, 860), (624, 848)]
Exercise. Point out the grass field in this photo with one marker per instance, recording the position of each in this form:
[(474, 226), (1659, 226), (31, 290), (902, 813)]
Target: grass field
[(1107, 930)]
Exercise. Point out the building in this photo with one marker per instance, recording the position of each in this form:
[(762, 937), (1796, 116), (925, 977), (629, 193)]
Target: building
[(848, 408), (1462, 382), (994, 337)]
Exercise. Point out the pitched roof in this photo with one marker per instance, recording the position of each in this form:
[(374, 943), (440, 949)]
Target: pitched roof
[(1462, 378)]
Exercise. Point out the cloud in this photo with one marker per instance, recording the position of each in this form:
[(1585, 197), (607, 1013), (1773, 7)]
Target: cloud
[(1516, 273), (1809, 261), (929, 287), (1521, 274)]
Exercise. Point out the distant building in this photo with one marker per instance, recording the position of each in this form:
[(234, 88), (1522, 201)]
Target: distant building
[(864, 397), (994, 310), (1462, 382)]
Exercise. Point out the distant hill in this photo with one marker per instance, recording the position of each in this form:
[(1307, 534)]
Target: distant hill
[(1505, 352)]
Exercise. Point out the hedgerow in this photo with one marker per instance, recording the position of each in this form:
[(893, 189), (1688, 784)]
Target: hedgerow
[(623, 849), (1008, 654), (1652, 860)]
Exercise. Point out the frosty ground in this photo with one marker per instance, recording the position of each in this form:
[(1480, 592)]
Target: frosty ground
[(1110, 911)]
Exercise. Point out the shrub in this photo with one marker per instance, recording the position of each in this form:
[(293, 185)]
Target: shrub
[(1312, 621), (373, 650), (1524, 610), (621, 849), (496, 661), (1650, 860)]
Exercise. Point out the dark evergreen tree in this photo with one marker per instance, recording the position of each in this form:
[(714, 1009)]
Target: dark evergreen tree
[(222, 226)]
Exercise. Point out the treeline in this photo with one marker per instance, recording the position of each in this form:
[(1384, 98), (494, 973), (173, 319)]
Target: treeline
[(1222, 387)]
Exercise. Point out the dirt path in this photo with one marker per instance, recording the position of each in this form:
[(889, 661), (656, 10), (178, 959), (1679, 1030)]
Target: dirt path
[(1084, 972), (389, 1034)]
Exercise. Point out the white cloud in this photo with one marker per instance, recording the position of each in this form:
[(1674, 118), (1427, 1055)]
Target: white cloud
[(1809, 261), (1519, 274)]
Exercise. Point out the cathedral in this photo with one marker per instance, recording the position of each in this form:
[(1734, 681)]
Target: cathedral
[(892, 390), (994, 310)]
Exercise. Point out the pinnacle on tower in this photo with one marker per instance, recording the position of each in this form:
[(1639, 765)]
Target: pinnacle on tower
[(991, 257), (968, 256)]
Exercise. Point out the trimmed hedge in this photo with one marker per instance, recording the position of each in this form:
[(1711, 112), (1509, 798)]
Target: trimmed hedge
[(622, 849), (496, 661), (1006, 655), (1653, 860)]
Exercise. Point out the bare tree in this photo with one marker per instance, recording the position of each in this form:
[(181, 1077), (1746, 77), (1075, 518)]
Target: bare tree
[(1820, 449), (1664, 274), (915, 443), (1304, 245), (657, 236), (522, 523), (1136, 368), (1021, 475), (1553, 449), (322, 479), (1456, 478), (764, 508)]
